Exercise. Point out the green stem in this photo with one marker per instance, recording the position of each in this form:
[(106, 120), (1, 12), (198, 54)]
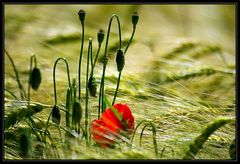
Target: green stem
[(86, 107), (30, 74), (96, 57), (54, 80), (118, 82), (99, 101), (105, 54), (119, 75), (11, 93), (134, 29), (46, 127), (22, 91), (134, 132), (68, 102), (79, 65)]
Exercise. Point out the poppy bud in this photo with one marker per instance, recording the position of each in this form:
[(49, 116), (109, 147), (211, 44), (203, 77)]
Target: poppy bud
[(81, 15), (135, 19), (92, 85), (76, 113), (100, 36), (35, 78), (120, 59), (25, 144), (56, 116)]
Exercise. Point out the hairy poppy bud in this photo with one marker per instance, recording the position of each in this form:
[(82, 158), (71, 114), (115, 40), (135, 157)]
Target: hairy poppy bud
[(120, 59), (35, 78), (76, 113), (92, 85), (100, 36), (56, 116), (81, 15), (135, 18), (25, 144)]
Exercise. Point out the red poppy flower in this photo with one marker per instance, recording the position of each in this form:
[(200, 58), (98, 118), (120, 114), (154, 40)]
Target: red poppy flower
[(112, 124)]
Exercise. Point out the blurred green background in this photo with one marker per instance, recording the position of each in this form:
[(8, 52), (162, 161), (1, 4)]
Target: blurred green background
[(52, 31), (171, 42)]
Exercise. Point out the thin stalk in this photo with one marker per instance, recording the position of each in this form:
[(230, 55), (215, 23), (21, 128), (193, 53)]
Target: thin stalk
[(54, 80), (134, 132), (105, 54), (120, 73), (11, 93), (80, 62), (118, 83), (22, 91), (154, 137), (164, 150), (30, 71), (68, 102), (96, 57), (86, 107), (99, 101), (46, 127), (91, 60)]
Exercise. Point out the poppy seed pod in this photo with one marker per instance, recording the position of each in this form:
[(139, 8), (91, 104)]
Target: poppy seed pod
[(35, 78), (56, 116), (100, 36), (81, 15), (120, 59), (135, 18), (92, 85), (76, 113)]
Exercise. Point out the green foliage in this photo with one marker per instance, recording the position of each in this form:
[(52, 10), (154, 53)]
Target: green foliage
[(201, 139), (17, 111)]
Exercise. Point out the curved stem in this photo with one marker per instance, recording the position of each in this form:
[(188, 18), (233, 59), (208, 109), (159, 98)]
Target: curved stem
[(54, 81), (22, 91), (11, 93), (46, 127), (118, 82), (105, 53), (96, 57), (86, 107), (79, 65), (119, 75), (134, 29)]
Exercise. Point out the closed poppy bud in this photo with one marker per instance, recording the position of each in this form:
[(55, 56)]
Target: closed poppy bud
[(81, 15), (56, 116), (92, 85), (76, 113), (35, 78), (120, 59), (25, 144), (135, 18), (100, 36)]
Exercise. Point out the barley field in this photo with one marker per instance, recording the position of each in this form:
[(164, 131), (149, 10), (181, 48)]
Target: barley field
[(173, 65)]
